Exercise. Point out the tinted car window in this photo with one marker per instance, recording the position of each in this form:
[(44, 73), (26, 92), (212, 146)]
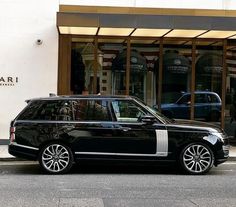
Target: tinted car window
[(184, 100), (48, 110), (31, 111), (200, 98), (212, 98), (91, 110), (127, 111)]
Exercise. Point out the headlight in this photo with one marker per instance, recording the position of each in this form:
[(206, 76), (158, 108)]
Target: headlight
[(218, 135), (213, 137)]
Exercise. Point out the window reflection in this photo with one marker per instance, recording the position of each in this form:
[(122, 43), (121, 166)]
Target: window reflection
[(209, 66)]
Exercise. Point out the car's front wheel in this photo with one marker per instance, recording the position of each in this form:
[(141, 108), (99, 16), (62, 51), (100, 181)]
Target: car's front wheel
[(197, 158), (56, 158)]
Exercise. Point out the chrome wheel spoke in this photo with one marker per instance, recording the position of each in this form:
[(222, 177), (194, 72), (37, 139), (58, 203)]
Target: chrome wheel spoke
[(49, 163), (204, 163), (190, 151), (47, 158), (190, 164), (198, 167)]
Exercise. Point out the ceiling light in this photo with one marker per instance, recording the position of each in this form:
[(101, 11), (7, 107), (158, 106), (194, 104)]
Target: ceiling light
[(184, 33), (115, 31), (78, 30), (217, 34), (149, 32)]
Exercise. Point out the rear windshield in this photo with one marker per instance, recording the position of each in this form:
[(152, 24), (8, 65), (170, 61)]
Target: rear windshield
[(47, 110)]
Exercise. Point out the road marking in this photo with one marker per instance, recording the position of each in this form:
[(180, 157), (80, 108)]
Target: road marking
[(7, 163), (81, 202), (229, 163)]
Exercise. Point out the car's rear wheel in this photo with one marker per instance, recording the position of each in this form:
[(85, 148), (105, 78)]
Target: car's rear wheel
[(197, 158), (56, 158)]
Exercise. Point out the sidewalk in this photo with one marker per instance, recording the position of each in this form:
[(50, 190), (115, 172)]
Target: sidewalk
[(4, 156)]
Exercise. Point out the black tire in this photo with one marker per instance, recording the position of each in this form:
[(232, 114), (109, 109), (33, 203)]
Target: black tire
[(56, 158), (196, 159)]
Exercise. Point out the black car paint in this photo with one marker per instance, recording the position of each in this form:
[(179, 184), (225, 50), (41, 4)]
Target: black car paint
[(112, 139)]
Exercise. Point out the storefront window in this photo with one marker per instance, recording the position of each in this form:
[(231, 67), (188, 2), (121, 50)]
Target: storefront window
[(143, 55), (209, 65), (82, 67), (112, 78), (230, 99), (176, 79)]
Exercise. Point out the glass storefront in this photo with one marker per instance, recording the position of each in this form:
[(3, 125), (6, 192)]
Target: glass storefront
[(230, 97), (191, 82), (144, 54), (82, 65), (208, 82), (176, 79)]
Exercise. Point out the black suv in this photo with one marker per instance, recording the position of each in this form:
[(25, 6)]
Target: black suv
[(60, 130)]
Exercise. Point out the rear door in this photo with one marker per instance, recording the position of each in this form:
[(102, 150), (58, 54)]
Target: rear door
[(92, 128)]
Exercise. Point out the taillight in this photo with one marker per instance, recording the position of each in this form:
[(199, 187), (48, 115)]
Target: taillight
[(12, 134)]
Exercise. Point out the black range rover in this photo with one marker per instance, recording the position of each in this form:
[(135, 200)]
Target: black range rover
[(59, 130)]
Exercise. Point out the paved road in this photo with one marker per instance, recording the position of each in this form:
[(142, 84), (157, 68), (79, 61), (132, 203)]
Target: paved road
[(23, 184)]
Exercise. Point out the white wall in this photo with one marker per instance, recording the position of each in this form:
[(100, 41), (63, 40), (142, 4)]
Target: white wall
[(181, 4), (21, 24)]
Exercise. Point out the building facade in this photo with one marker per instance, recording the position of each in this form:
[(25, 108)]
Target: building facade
[(155, 50)]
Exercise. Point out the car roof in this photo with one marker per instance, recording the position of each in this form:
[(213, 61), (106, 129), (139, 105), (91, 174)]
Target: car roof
[(92, 96), (201, 92)]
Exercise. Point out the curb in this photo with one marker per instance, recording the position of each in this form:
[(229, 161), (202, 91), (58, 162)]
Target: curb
[(231, 159), (10, 159)]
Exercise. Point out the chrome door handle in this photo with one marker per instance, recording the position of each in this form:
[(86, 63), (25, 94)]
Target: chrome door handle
[(125, 129)]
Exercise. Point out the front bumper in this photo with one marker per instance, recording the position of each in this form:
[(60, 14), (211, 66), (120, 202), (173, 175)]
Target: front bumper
[(222, 155)]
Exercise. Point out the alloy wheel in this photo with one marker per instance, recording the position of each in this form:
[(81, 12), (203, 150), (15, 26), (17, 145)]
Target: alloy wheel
[(197, 159), (55, 158)]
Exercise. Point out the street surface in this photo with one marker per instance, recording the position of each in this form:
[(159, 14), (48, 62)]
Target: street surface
[(23, 184)]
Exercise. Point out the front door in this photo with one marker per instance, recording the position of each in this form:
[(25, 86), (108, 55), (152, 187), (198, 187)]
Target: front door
[(133, 136)]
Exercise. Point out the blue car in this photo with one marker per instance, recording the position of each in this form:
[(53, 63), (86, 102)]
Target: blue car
[(207, 106)]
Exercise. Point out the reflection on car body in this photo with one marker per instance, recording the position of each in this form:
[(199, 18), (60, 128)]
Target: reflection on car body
[(59, 130)]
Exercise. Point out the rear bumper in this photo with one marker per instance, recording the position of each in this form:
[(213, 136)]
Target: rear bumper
[(23, 151)]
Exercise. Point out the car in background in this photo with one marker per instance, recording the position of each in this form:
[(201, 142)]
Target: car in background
[(207, 106), (58, 131)]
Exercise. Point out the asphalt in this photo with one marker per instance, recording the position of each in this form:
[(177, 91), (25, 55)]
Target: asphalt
[(5, 156)]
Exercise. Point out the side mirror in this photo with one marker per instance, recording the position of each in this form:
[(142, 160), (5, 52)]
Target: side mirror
[(148, 119)]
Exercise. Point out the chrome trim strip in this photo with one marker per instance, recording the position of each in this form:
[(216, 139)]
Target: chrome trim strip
[(115, 154), (23, 146), (115, 123), (162, 143)]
